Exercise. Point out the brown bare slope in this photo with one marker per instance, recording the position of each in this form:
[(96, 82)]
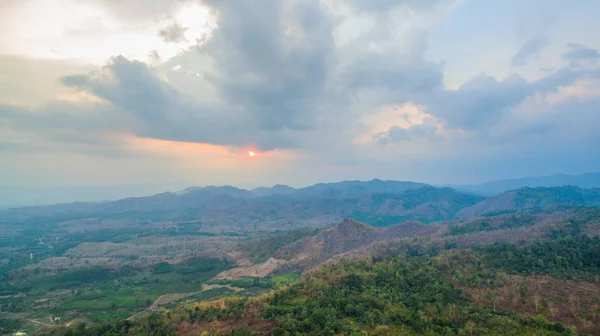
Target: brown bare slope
[(347, 235)]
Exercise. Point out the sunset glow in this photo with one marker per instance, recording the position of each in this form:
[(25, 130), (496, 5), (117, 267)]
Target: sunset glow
[(251, 153)]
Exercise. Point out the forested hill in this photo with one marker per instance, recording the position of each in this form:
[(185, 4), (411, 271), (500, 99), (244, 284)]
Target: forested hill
[(515, 274), (380, 296)]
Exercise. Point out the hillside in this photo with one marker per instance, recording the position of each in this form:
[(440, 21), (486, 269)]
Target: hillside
[(533, 198), (347, 235), (297, 250), (129, 269), (415, 279), (380, 296), (426, 204)]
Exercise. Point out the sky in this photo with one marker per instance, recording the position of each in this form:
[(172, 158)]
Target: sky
[(177, 92)]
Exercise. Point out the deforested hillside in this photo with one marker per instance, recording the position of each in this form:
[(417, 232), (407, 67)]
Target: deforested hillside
[(347, 235)]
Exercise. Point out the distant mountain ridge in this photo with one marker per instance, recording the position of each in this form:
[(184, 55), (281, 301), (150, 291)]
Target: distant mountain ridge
[(356, 188), (11, 197), (278, 189), (589, 180), (533, 198), (378, 203)]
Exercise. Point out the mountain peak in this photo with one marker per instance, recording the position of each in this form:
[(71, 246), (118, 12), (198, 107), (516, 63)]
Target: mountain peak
[(350, 226), (278, 189)]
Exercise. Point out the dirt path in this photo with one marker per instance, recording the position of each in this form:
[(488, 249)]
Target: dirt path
[(42, 323), (258, 270), (166, 298), (152, 307), (206, 287), (155, 304)]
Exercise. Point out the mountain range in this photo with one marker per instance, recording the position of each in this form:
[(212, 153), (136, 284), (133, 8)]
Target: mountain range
[(376, 202), (11, 197)]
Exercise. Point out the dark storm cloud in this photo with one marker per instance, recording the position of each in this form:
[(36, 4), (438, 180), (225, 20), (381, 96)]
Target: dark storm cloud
[(529, 50)]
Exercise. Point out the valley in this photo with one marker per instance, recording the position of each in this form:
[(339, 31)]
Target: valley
[(88, 265)]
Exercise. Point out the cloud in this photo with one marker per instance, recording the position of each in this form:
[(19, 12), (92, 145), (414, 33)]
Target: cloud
[(384, 78), (278, 74), (477, 103), (484, 101), (274, 59), (303, 78), (399, 134), (280, 78), (580, 53), (530, 50), (271, 66), (134, 11), (163, 112), (173, 33), (95, 30), (382, 6)]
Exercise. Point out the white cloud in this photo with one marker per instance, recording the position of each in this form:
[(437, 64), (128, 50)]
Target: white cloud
[(92, 32)]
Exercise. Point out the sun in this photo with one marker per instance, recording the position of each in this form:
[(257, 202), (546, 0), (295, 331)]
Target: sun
[(251, 153)]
